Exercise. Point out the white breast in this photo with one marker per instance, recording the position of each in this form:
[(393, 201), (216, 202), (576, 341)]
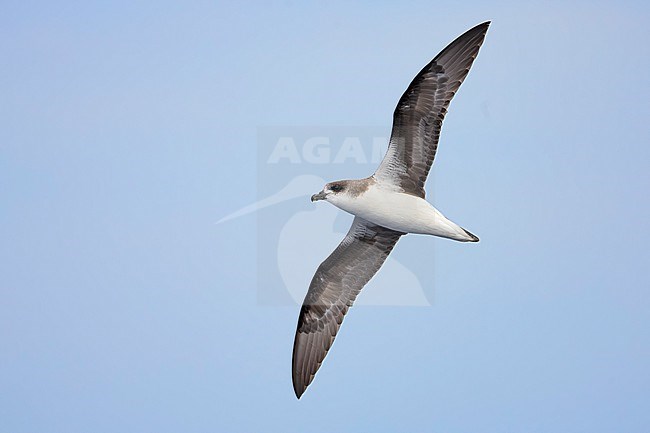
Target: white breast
[(401, 212)]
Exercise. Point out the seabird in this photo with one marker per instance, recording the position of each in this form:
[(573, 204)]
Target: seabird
[(386, 205)]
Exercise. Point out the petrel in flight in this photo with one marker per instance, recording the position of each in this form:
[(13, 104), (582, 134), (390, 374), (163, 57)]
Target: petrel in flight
[(386, 205)]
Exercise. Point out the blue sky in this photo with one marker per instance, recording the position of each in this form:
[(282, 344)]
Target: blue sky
[(130, 128)]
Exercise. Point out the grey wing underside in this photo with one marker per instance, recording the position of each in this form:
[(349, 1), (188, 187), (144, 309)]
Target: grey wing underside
[(418, 117), (333, 289)]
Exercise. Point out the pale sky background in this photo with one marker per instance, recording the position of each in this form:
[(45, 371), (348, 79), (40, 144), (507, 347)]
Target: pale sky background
[(129, 128)]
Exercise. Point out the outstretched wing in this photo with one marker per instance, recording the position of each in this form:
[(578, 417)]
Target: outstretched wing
[(336, 284), (421, 109)]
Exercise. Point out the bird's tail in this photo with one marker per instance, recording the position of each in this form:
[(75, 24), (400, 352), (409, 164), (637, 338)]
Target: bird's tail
[(472, 237), (445, 228)]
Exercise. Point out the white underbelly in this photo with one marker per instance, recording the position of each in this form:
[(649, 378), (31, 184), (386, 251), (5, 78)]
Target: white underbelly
[(397, 211), (402, 212)]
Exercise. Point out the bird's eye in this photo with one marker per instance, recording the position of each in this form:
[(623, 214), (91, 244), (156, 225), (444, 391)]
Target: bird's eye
[(336, 188)]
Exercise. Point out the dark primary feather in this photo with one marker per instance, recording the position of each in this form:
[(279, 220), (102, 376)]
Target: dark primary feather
[(421, 109), (336, 284)]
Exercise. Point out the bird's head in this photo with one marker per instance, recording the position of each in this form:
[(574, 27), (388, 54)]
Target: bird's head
[(333, 191)]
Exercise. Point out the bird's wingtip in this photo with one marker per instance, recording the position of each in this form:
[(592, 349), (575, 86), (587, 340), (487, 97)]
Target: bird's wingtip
[(298, 391)]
